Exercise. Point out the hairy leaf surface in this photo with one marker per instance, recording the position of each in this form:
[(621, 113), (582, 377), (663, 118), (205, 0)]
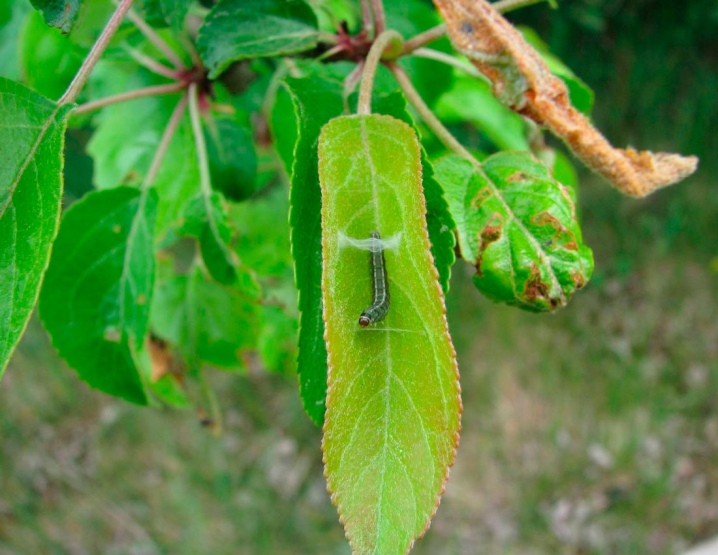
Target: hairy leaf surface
[(95, 302), (239, 29), (518, 226), (393, 402), (32, 140)]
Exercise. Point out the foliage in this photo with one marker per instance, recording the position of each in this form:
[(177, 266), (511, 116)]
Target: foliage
[(179, 260)]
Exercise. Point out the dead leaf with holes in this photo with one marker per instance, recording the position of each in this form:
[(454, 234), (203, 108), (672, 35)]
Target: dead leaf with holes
[(523, 82)]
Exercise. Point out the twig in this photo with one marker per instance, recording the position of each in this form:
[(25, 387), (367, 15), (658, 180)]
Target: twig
[(372, 61), (98, 48), (422, 39), (153, 65), (426, 113), (448, 59), (155, 90), (169, 132), (379, 18), (157, 40), (504, 6)]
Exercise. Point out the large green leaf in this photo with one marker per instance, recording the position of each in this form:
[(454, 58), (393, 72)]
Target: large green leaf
[(95, 302), (13, 15), (317, 99), (393, 403), (205, 321), (438, 219), (239, 29), (32, 139), (518, 226), (58, 13)]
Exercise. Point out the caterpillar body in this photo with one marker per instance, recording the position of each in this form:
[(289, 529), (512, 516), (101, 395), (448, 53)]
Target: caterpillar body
[(380, 302)]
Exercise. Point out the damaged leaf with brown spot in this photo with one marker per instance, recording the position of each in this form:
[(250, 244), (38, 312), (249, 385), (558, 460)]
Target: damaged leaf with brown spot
[(523, 82), (518, 226)]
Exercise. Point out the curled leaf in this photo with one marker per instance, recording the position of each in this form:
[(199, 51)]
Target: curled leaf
[(523, 82), (518, 226)]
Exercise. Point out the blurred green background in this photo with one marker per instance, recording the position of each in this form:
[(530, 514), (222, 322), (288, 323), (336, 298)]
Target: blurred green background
[(594, 430)]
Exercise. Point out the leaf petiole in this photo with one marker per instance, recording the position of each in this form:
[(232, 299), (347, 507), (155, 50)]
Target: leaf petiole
[(93, 57), (157, 40), (377, 51), (441, 132), (167, 135), (155, 90)]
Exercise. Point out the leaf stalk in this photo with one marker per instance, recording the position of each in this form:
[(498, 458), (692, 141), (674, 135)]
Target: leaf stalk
[(376, 53), (155, 90), (96, 52)]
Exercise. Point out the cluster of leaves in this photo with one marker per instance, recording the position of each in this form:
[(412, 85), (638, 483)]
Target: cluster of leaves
[(181, 256)]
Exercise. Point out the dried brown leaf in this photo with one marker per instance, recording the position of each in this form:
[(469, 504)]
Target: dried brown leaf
[(522, 81)]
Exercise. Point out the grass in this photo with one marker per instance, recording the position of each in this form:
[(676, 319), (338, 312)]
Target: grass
[(591, 431)]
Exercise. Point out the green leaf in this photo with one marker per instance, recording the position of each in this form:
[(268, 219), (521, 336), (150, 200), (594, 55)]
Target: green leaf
[(438, 219), (239, 29), (44, 47), (58, 13), (393, 402), (32, 140), (518, 226), (206, 219), (317, 99), (13, 15), (175, 11), (95, 302), (471, 100), (232, 158), (205, 321)]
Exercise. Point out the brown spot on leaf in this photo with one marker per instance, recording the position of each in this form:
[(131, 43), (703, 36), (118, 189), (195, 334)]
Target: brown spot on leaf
[(489, 234), (578, 280), (482, 196), (535, 288), (517, 176), (562, 235)]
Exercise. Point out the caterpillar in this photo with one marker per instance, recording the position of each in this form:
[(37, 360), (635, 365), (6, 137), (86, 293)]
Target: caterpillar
[(380, 303)]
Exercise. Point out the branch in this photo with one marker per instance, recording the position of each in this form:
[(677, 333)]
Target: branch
[(155, 90), (372, 61), (169, 132), (426, 113), (93, 57)]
